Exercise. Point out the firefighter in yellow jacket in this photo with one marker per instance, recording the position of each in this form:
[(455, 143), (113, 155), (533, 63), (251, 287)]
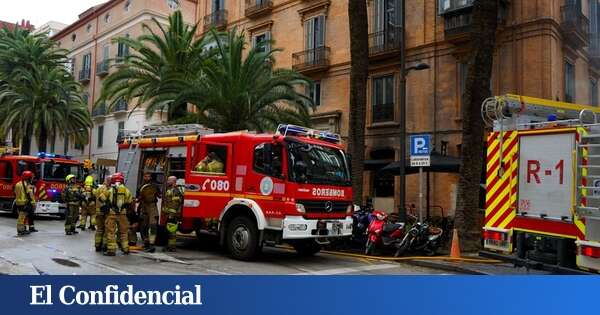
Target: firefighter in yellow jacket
[(24, 200), (171, 209), (119, 199), (72, 196), (88, 205), (147, 196), (102, 210)]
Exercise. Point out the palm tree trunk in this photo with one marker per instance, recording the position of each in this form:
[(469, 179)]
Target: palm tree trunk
[(26, 141), (359, 71), (485, 13), (43, 139)]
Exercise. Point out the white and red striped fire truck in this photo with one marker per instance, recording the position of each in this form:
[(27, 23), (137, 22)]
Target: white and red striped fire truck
[(542, 183)]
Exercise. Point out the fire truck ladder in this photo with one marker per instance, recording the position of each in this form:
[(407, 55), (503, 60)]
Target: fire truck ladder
[(588, 163), (131, 152)]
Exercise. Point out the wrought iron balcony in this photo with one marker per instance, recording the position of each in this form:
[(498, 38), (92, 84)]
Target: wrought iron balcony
[(102, 67), (384, 42), (575, 25), (217, 19), (99, 111), (458, 25), (84, 75), (312, 60), (256, 8), (383, 113), (120, 107)]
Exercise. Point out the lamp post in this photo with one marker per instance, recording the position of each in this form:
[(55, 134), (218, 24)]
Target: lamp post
[(403, 73)]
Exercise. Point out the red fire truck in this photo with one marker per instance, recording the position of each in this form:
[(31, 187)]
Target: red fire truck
[(50, 171), (543, 183), (292, 186)]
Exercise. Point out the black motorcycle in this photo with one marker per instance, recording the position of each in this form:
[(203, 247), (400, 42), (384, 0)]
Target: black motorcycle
[(421, 237)]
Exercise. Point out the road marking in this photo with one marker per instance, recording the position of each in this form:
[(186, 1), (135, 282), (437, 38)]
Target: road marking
[(339, 271), (218, 272)]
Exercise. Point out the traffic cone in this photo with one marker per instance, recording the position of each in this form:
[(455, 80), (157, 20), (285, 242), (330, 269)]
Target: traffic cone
[(455, 249)]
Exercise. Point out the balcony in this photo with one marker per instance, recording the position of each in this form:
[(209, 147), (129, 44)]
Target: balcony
[(99, 111), (312, 60), (383, 113), (256, 8), (385, 43), (84, 75), (120, 107), (217, 19), (574, 25), (458, 25), (102, 68)]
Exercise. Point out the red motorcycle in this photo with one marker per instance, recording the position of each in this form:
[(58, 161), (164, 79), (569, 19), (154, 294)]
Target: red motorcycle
[(382, 233)]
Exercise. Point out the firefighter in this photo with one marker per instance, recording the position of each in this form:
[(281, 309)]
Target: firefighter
[(24, 201), (119, 199), (102, 210), (88, 204), (210, 164), (72, 196), (171, 209), (147, 197)]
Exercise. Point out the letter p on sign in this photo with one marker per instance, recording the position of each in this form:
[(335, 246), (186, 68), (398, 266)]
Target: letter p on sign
[(420, 145)]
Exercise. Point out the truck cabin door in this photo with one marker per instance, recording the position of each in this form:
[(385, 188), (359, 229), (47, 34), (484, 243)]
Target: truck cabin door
[(268, 174), (6, 179), (208, 177)]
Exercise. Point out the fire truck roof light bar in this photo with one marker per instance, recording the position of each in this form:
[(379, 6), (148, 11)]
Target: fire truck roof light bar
[(293, 130), (43, 155)]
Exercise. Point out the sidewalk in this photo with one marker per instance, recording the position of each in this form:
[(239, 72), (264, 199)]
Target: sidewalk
[(475, 268)]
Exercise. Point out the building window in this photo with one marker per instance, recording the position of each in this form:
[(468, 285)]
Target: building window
[(87, 62), (451, 5), (218, 5), (107, 18), (100, 136), (85, 97), (314, 30), (173, 4), (73, 37), (264, 39), (78, 146), (70, 65), (593, 92), (569, 82), (383, 99), (386, 14), (314, 92), (127, 5), (122, 50)]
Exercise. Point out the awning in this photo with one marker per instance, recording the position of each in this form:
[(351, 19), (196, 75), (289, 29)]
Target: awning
[(439, 164), (374, 165), (106, 162)]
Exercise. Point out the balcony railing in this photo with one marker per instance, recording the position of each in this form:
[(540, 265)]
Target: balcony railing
[(311, 60), (99, 111), (102, 67), (385, 41), (84, 75), (255, 8), (217, 19), (120, 106), (383, 113), (575, 25), (459, 24)]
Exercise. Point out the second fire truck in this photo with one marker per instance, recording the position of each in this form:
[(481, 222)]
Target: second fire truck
[(291, 186)]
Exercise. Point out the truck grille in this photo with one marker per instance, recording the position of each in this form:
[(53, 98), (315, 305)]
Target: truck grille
[(319, 206)]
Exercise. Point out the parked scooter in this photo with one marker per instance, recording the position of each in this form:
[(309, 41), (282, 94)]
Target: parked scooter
[(384, 234)]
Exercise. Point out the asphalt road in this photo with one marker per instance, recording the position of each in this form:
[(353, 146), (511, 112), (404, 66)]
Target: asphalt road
[(50, 251)]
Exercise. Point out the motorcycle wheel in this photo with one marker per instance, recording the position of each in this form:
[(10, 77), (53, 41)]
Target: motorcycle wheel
[(400, 251), (369, 248)]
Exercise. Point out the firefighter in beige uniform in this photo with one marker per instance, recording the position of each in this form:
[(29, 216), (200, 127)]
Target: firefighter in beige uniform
[(88, 205), (72, 196), (147, 196), (172, 204), (24, 200), (102, 210), (120, 200)]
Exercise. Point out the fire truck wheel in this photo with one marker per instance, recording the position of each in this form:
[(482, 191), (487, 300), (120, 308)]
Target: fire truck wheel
[(307, 247), (242, 238)]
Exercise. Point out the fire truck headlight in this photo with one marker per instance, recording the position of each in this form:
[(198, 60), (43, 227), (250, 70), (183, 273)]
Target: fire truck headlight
[(191, 203), (300, 208), (350, 209), (297, 227)]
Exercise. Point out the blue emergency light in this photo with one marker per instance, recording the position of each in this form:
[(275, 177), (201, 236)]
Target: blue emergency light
[(298, 131), (43, 155)]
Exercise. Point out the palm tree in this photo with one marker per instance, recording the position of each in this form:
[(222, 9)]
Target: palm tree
[(38, 97), (160, 61), (234, 92)]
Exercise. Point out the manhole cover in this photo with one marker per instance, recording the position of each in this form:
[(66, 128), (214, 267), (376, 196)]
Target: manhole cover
[(65, 262)]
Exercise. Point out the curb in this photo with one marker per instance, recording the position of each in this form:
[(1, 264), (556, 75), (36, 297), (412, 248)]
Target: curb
[(453, 267)]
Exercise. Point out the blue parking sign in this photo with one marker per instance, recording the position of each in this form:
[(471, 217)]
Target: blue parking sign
[(420, 145)]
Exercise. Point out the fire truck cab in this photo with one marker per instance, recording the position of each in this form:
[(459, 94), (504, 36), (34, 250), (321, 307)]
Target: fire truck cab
[(292, 186), (49, 170), (542, 183)]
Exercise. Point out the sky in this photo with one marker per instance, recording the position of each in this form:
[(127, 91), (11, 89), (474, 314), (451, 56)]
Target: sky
[(42, 11)]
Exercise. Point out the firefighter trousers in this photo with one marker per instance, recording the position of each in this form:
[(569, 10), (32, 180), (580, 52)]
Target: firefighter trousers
[(149, 223), (71, 217), (21, 219), (88, 211), (117, 224), (100, 237)]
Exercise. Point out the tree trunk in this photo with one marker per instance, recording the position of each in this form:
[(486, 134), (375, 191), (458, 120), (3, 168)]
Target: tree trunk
[(43, 139), (26, 141), (477, 89), (359, 71)]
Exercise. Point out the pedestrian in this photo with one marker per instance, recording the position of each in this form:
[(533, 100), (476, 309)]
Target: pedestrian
[(119, 199), (72, 196), (147, 197), (24, 201), (102, 210), (171, 209), (88, 205)]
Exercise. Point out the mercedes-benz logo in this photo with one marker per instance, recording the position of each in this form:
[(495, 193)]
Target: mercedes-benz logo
[(328, 206)]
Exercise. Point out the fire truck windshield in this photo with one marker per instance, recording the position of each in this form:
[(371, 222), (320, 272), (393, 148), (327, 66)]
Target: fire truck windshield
[(54, 171), (316, 164)]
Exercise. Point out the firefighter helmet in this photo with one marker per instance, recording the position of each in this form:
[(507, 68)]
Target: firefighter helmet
[(117, 178), (89, 180), (27, 175), (69, 177)]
